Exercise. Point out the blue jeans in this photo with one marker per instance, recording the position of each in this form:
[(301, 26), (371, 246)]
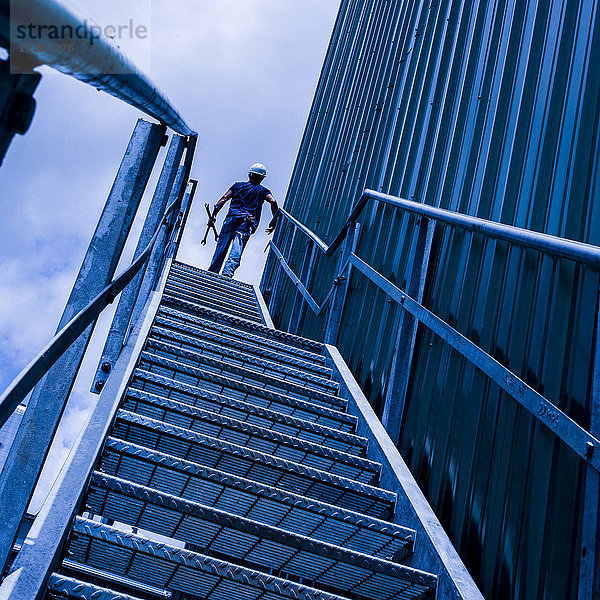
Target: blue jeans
[(235, 233)]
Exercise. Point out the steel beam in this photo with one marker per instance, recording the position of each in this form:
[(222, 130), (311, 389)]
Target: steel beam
[(393, 408), (435, 551), (305, 272), (46, 405), (118, 329)]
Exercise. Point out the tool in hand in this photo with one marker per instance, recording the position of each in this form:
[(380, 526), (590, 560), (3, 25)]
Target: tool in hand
[(209, 226)]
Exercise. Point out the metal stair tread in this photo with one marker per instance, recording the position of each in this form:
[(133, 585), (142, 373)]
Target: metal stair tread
[(221, 303), (282, 404), (243, 323), (182, 322), (279, 423), (227, 375), (203, 526), (209, 321), (70, 587), (175, 286), (252, 464), (180, 569), (198, 282), (251, 363), (210, 423), (180, 267), (357, 471), (218, 293), (220, 312), (253, 499)]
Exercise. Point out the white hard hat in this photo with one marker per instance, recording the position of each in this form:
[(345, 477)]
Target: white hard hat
[(258, 169)]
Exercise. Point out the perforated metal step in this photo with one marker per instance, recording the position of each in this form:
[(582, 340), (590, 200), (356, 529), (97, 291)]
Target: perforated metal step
[(234, 537), (211, 397), (199, 339), (192, 417), (223, 360), (197, 309), (232, 377), (204, 328)]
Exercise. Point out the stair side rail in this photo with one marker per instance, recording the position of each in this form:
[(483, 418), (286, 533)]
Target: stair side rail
[(585, 443), (51, 374)]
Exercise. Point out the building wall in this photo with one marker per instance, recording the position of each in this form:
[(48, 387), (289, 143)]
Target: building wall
[(490, 109)]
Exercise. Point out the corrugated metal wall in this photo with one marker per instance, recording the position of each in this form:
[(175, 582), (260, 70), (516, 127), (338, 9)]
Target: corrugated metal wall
[(491, 109)]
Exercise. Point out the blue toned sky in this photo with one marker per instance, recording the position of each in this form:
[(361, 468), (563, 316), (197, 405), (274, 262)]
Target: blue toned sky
[(241, 72)]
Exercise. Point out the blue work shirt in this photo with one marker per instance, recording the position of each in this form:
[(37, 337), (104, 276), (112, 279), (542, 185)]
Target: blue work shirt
[(247, 199)]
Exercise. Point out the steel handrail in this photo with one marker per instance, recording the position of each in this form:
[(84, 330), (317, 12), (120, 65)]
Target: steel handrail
[(543, 242), (16, 392), (576, 437), (100, 64)]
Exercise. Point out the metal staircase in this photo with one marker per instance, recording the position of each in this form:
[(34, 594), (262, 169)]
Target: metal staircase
[(233, 470)]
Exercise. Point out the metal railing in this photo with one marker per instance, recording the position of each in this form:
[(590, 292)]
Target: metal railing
[(100, 64), (576, 437), (20, 387), (585, 443), (90, 296), (50, 376)]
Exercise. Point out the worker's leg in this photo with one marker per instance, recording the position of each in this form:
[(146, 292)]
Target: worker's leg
[(237, 247), (225, 238)]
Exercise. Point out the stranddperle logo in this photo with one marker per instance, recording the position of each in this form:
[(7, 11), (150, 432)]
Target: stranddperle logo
[(35, 32)]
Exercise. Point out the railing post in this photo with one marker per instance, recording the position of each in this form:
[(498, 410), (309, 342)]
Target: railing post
[(120, 322), (48, 399), (185, 213), (157, 255), (304, 276), (276, 285), (393, 408), (341, 286), (589, 566)]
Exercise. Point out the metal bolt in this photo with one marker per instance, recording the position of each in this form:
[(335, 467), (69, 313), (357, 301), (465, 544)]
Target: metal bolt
[(106, 367), (99, 384), (589, 449)]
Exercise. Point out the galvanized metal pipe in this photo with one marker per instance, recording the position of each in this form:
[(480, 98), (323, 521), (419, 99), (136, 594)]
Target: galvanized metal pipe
[(395, 398), (542, 242), (100, 64)]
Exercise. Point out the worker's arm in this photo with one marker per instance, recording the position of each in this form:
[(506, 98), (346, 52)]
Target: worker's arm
[(219, 205), (274, 208)]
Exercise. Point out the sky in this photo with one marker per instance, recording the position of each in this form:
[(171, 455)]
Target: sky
[(241, 72)]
